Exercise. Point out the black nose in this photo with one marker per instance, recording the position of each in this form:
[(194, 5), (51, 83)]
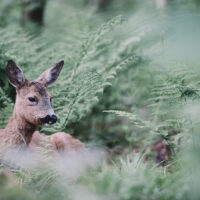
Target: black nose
[(49, 119)]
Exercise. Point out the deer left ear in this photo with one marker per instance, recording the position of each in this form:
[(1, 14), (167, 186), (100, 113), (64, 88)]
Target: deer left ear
[(14, 74), (49, 77)]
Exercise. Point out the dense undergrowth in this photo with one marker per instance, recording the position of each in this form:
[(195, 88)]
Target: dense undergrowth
[(130, 86)]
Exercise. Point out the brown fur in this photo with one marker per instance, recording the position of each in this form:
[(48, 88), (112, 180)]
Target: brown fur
[(26, 115), (18, 132), (60, 142)]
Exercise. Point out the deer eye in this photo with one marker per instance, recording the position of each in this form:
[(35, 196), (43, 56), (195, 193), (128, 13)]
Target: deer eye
[(32, 99), (51, 99)]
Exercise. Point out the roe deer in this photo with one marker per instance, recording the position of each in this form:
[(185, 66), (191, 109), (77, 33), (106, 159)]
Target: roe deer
[(32, 109)]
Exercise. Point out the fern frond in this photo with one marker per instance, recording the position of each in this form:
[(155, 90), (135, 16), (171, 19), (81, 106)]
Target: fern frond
[(133, 118)]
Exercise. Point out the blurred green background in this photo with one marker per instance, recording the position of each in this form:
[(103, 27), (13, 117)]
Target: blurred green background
[(130, 85)]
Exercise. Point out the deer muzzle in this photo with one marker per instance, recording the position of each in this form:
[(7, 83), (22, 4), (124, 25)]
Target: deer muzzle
[(49, 119)]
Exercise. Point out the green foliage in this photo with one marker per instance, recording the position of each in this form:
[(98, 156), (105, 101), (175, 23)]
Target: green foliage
[(134, 179), (125, 61), (79, 96), (136, 121), (130, 178)]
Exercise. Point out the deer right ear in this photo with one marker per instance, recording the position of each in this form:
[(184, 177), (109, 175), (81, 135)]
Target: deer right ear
[(49, 77), (14, 74)]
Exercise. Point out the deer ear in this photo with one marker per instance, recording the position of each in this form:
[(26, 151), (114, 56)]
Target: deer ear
[(14, 74), (49, 77)]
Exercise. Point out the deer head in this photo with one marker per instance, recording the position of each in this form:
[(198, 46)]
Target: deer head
[(33, 102)]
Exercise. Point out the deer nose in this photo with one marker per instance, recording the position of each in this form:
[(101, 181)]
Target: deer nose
[(49, 119)]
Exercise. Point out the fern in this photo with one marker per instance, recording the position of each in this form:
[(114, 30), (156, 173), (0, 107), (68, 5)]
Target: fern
[(133, 118), (127, 53), (6, 107), (89, 87), (180, 84)]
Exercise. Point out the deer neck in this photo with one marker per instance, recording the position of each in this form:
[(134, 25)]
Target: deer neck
[(20, 129)]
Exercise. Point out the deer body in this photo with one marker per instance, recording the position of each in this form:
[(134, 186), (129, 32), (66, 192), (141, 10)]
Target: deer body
[(33, 109), (60, 142)]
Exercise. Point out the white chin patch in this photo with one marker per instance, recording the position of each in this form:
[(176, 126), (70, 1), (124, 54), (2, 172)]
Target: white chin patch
[(46, 124)]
